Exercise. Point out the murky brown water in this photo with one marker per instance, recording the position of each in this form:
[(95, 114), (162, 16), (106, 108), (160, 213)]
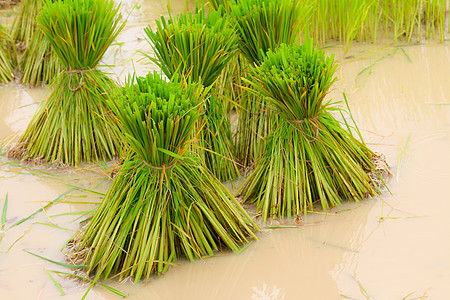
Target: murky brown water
[(377, 249)]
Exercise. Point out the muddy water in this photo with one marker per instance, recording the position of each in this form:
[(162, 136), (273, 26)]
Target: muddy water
[(385, 248)]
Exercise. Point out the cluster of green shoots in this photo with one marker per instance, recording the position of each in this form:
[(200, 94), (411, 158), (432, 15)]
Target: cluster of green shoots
[(73, 125), (310, 157), (260, 26), (368, 20), (198, 46), (162, 204), (39, 64), (8, 57)]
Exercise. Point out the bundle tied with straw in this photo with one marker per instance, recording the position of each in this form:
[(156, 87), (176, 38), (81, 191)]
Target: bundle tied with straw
[(261, 25), (310, 157), (162, 204), (198, 46), (74, 124), (39, 63), (24, 24), (8, 58)]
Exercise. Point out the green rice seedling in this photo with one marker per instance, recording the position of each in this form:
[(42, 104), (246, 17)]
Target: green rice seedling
[(351, 19), (8, 58), (319, 26), (74, 124), (402, 17), (434, 14), (198, 46), (24, 25), (163, 203), (215, 4), (345, 21), (310, 157), (40, 64), (261, 25)]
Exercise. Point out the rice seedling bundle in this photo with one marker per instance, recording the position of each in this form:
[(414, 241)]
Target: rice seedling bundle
[(260, 25), (8, 57), (73, 125), (162, 204), (40, 63), (198, 46), (310, 157), (24, 25)]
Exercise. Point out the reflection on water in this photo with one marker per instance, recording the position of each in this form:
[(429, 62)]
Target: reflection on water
[(385, 248), (268, 293), (17, 108)]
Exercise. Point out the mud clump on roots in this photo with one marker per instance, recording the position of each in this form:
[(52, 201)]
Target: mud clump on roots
[(380, 170), (4, 4), (19, 152)]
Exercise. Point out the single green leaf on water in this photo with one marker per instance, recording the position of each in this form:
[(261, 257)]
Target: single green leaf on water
[(70, 266), (58, 199)]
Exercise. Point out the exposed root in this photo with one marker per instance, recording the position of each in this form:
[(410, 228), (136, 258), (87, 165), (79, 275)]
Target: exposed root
[(21, 46), (4, 4), (76, 254), (19, 152), (118, 164), (380, 171)]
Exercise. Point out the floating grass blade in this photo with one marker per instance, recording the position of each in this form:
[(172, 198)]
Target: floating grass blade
[(58, 199), (74, 124), (61, 291), (162, 203), (70, 266), (115, 291), (3, 220), (310, 157)]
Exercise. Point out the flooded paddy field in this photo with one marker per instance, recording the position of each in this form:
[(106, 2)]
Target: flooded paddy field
[(392, 247)]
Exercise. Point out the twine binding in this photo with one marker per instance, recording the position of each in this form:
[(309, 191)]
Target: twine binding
[(81, 82), (312, 120), (164, 167)]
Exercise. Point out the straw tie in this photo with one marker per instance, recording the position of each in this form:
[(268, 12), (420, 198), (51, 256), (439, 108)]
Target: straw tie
[(81, 82), (312, 120), (164, 167)]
